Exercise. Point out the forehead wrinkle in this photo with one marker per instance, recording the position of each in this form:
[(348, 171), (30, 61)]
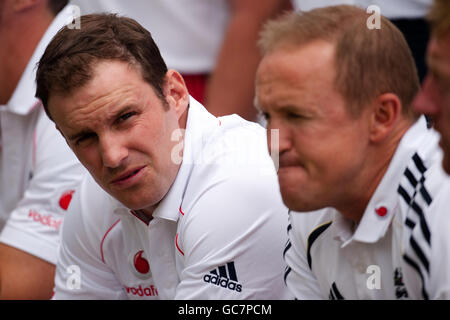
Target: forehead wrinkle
[(108, 102), (93, 112)]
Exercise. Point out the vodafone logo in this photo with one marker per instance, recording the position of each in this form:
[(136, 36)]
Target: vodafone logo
[(149, 291), (65, 199), (46, 220), (139, 265)]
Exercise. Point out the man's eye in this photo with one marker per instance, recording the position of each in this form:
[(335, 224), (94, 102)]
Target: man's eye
[(292, 115), (84, 139), (126, 116)]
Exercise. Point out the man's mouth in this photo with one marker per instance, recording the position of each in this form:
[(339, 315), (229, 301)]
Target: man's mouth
[(127, 175)]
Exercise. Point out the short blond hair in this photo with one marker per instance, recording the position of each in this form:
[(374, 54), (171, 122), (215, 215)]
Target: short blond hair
[(439, 17), (369, 62)]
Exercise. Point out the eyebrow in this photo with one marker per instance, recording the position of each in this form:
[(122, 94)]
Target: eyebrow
[(294, 109), (114, 114), (110, 118), (78, 135)]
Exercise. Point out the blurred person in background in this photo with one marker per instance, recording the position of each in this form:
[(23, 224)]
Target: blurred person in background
[(37, 169)]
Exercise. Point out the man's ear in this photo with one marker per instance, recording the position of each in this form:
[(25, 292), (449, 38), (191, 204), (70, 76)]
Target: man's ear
[(175, 91), (387, 109), (22, 5)]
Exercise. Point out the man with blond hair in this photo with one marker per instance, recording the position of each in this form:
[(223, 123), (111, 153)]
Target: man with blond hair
[(356, 163)]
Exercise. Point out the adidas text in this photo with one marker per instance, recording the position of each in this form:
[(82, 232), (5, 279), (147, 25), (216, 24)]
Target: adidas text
[(222, 282)]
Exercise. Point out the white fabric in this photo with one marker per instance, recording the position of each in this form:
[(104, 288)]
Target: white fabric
[(222, 215), (389, 8), (343, 263), (189, 33), (37, 167)]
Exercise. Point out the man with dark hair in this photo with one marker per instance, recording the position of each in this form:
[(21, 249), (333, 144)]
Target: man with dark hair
[(355, 162), (180, 204), (37, 169)]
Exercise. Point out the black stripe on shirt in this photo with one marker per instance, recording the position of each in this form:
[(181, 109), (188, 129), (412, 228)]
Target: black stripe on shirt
[(286, 272), (426, 196), (416, 248), (312, 237), (411, 224), (419, 163), (423, 224), (414, 265), (331, 295), (404, 194), (222, 272), (409, 175), (417, 209), (288, 246), (334, 293), (232, 271)]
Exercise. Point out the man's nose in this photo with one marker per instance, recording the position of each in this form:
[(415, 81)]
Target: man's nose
[(278, 141), (112, 150)]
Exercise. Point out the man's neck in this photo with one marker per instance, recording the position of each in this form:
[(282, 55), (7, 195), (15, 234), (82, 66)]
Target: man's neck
[(378, 163)]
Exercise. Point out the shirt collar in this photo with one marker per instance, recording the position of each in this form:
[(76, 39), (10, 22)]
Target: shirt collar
[(170, 206), (384, 202), (23, 100)]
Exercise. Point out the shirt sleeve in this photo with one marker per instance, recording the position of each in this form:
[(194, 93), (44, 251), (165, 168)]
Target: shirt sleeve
[(80, 271), (33, 226), (232, 240), (298, 276)]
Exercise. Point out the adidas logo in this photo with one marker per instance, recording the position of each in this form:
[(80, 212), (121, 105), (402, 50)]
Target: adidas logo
[(225, 277)]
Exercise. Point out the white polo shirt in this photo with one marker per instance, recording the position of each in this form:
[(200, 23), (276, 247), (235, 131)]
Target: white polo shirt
[(327, 259), (219, 233), (37, 169)]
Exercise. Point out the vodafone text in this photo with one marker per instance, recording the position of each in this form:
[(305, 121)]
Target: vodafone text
[(149, 291), (46, 220)]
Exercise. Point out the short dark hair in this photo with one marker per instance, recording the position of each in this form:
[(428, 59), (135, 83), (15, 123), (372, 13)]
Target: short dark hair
[(67, 63), (56, 6)]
